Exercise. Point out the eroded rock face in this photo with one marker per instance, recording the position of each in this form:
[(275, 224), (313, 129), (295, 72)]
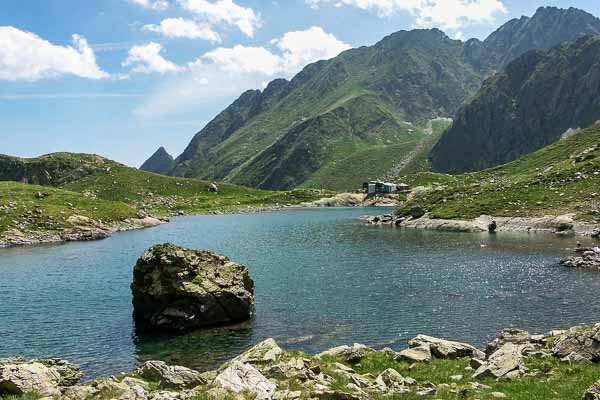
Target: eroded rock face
[(178, 289), (579, 344), (441, 348)]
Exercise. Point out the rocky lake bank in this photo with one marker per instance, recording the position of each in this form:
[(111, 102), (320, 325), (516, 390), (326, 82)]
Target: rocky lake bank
[(561, 364), (562, 225)]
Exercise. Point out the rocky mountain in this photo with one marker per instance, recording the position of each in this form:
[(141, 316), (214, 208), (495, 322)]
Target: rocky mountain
[(364, 100), (161, 162), (536, 100), (364, 113), (549, 27)]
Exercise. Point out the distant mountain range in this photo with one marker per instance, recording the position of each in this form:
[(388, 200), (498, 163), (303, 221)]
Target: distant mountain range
[(364, 114)]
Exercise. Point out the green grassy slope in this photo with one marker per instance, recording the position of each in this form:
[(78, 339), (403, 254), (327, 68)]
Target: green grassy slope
[(106, 191), (561, 178), (22, 209)]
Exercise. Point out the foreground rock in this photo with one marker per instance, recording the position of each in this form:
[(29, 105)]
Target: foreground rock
[(174, 377), (506, 362), (240, 377), (593, 393), (18, 376), (441, 348), (579, 344), (177, 288), (587, 259)]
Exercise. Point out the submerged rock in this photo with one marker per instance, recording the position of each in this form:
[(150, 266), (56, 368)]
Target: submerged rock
[(177, 288), (589, 259)]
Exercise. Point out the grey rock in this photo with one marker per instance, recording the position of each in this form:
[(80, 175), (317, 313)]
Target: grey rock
[(264, 352), (441, 348), (239, 377), (580, 342), (177, 288), (509, 335), (21, 378), (593, 393), (416, 354), (174, 377), (505, 361), (589, 259)]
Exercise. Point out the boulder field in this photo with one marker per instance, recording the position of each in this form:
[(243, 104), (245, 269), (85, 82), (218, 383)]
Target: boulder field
[(356, 372), (175, 288)]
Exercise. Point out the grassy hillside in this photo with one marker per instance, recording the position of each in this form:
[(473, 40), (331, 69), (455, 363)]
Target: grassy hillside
[(106, 191), (561, 178), (22, 208)]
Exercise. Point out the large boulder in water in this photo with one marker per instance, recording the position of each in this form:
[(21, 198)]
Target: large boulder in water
[(177, 289)]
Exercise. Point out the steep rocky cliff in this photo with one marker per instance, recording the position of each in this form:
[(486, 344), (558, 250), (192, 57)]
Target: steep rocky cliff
[(537, 99)]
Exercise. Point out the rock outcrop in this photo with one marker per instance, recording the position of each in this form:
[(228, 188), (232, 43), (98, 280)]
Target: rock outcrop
[(240, 377), (593, 393), (579, 344), (587, 259), (45, 377), (174, 377), (506, 362), (175, 288)]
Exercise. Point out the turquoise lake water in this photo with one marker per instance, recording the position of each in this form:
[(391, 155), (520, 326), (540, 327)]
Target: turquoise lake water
[(322, 278)]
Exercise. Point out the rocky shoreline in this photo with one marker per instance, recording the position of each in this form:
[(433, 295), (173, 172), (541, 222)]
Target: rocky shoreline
[(92, 230), (562, 225), (88, 230), (355, 372)]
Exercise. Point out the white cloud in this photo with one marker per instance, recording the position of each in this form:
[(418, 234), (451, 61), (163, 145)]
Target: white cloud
[(446, 14), (146, 59), (26, 56), (158, 5), (303, 47), (224, 73), (184, 28), (242, 59), (224, 12)]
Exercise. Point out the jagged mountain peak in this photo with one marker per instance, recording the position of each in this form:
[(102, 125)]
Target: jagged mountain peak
[(161, 162)]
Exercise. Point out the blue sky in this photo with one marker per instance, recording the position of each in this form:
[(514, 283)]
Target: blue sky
[(122, 77)]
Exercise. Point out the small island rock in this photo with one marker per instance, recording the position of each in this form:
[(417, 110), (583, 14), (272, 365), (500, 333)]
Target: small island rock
[(175, 288)]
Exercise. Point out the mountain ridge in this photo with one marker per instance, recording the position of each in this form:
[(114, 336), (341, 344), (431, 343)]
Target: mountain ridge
[(408, 77)]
